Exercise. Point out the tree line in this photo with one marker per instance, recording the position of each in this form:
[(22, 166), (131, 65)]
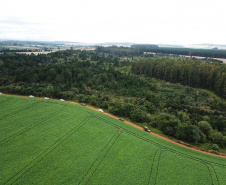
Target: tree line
[(184, 51), (194, 73), (120, 51)]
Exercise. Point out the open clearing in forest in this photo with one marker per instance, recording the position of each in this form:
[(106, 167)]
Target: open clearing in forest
[(53, 142)]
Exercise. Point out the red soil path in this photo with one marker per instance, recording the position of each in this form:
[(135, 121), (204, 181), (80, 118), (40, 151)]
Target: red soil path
[(128, 122)]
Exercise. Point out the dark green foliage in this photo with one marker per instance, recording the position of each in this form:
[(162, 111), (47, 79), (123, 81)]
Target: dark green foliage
[(185, 51), (192, 73), (216, 137), (205, 127), (105, 81), (215, 147), (193, 134), (120, 51), (144, 46)]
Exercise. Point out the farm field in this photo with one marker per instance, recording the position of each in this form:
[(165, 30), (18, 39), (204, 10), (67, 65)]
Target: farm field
[(53, 142)]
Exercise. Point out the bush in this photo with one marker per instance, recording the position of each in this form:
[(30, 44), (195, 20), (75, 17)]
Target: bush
[(215, 147), (193, 134), (216, 137), (223, 142), (205, 127)]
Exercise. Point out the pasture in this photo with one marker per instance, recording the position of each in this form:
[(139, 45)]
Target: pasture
[(52, 142)]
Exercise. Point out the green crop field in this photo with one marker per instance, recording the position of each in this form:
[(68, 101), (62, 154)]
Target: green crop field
[(53, 142)]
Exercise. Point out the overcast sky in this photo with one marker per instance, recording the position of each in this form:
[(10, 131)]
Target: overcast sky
[(94, 21)]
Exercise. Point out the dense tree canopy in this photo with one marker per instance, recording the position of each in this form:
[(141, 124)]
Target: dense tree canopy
[(213, 53), (126, 88), (193, 73)]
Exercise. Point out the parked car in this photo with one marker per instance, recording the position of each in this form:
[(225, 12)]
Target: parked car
[(83, 104), (147, 129), (121, 119), (101, 110)]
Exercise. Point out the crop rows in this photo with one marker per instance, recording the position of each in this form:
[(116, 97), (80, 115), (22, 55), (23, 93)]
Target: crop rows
[(101, 156), (104, 156), (39, 158), (19, 111), (30, 127), (186, 170), (162, 146), (207, 164), (93, 142), (5, 100), (153, 176), (10, 105), (94, 123), (32, 112), (21, 134)]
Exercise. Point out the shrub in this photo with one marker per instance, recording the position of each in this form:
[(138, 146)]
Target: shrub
[(215, 147), (216, 137), (205, 127)]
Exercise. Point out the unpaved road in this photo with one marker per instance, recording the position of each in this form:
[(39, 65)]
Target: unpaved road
[(128, 122)]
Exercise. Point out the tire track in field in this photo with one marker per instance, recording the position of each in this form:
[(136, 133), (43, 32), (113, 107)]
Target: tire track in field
[(161, 146), (98, 156), (45, 153), (208, 171), (156, 175), (108, 114), (88, 106), (5, 100), (19, 111), (202, 162), (33, 125), (157, 144), (205, 162), (215, 173), (153, 160), (173, 151), (104, 157), (30, 127)]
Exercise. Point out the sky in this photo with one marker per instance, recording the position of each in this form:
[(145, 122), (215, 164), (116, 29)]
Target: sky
[(98, 21)]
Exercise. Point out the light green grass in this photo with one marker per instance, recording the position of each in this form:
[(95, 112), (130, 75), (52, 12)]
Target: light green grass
[(53, 142)]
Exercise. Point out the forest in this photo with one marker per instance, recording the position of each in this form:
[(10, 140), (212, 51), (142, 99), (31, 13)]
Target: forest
[(213, 53), (193, 73), (165, 94)]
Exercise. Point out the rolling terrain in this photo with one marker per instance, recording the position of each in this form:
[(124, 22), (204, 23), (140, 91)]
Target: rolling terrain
[(53, 142)]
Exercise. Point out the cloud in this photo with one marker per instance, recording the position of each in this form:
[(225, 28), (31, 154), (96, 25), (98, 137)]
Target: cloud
[(147, 21), (21, 28), (20, 21), (12, 21)]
